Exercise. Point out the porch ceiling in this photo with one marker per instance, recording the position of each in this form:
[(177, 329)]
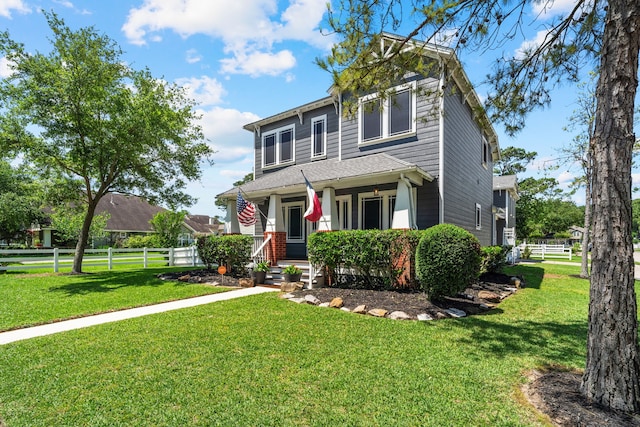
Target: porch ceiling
[(362, 171)]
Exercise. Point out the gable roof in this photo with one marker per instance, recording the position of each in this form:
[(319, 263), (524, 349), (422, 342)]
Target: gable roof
[(201, 224), (127, 213), (331, 173)]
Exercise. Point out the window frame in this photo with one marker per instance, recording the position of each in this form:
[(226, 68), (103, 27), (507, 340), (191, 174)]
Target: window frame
[(323, 154), (287, 221), (386, 110), (478, 213), (345, 211), (277, 134), (384, 197)]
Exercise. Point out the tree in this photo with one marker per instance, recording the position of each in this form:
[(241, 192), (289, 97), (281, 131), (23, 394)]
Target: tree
[(222, 203), (83, 116), (67, 223), (513, 160), (19, 202), (606, 33), (168, 226), (579, 152)]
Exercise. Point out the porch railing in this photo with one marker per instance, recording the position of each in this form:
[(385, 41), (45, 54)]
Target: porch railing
[(259, 243)]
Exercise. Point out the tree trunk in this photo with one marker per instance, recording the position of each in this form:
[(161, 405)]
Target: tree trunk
[(584, 265), (84, 237), (612, 371)]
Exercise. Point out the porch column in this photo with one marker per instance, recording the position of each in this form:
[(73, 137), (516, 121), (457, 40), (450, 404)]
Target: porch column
[(231, 225), (329, 219), (277, 247), (403, 214)]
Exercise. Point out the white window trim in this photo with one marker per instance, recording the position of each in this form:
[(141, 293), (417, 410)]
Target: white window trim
[(485, 153), (322, 155), (385, 137), (386, 215), (285, 207), (478, 216), (278, 160), (342, 211)]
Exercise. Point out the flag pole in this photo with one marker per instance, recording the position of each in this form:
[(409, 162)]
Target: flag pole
[(247, 198)]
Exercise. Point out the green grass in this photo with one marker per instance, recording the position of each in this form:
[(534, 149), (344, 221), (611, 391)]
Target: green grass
[(264, 361), (31, 299)]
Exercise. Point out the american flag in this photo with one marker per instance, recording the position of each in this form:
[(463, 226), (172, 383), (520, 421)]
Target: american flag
[(246, 211)]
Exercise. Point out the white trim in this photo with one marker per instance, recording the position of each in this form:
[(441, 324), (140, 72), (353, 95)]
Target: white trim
[(385, 119), (340, 130), (277, 133), (441, 144), (478, 216), (323, 154)]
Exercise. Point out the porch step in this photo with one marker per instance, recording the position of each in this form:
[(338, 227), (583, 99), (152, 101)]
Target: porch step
[(275, 276)]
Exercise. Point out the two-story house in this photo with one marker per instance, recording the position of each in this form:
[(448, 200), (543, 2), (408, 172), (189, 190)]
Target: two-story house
[(410, 161)]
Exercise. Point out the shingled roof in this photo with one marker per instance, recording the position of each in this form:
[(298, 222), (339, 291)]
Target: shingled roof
[(127, 213), (333, 172)]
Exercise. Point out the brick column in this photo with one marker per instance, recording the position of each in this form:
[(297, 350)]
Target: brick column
[(277, 246)]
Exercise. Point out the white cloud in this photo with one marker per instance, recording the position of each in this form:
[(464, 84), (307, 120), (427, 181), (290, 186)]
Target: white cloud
[(222, 127), (64, 3), (565, 178), (531, 44), (5, 70), (7, 6), (249, 29), (192, 56), (551, 8), (259, 63), (635, 178), (204, 90)]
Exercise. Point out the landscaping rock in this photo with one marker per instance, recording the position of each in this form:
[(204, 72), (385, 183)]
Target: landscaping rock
[(345, 309), (298, 300), (489, 296), (454, 312), (361, 309), (377, 312), (288, 295), (310, 299), (441, 315), (336, 303), (291, 286), (184, 278), (424, 317), (324, 304), (246, 283), (399, 315)]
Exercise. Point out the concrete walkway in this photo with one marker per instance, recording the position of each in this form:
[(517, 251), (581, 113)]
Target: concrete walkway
[(84, 322)]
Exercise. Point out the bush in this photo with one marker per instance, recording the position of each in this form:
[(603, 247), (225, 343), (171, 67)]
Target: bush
[(232, 251), (141, 241), (494, 258), (447, 260)]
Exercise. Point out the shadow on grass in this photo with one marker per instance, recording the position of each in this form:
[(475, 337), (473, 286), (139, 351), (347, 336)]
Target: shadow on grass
[(110, 281), (532, 275)]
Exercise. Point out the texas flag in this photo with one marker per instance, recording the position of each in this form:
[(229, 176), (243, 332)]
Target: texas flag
[(314, 211)]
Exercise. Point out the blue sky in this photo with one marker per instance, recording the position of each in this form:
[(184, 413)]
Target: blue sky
[(244, 60)]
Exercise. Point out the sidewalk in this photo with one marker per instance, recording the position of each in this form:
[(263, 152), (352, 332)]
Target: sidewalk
[(84, 322)]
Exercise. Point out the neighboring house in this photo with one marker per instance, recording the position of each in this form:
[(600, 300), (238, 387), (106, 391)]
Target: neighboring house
[(408, 162), (130, 215), (576, 234), (505, 196)]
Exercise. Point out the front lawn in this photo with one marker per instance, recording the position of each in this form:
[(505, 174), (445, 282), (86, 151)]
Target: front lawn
[(264, 361), (31, 299)]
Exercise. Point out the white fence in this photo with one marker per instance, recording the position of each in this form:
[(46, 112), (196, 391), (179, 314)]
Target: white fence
[(57, 259), (548, 251)]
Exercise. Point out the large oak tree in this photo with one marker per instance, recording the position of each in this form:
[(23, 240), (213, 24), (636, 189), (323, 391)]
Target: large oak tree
[(593, 32), (82, 115)]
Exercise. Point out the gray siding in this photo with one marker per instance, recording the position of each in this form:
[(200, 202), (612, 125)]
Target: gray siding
[(302, 137), (466, 181)]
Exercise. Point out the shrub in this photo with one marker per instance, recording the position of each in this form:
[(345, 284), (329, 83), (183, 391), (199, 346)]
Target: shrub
[(447, 260), (232, 251), (141, 241), (494, 258)]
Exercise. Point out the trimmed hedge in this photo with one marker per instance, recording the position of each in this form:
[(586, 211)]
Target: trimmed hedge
[(232, 251), (494, 258), (371, 259), (447, 260)]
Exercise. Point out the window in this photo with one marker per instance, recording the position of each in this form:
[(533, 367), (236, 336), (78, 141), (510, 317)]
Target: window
[(319, 136), (478, 217), (376, 212), (393, 117), (486, 152), (294, 222), (278, 146), (344, 212)]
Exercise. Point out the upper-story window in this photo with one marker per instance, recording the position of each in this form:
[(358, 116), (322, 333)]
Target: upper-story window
[(486, 152), (278, 146), (387, 119), (319, 137)]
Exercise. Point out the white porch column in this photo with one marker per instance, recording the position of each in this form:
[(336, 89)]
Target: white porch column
[(231, 225), (275, 220), (329, 219), (403, 214)]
